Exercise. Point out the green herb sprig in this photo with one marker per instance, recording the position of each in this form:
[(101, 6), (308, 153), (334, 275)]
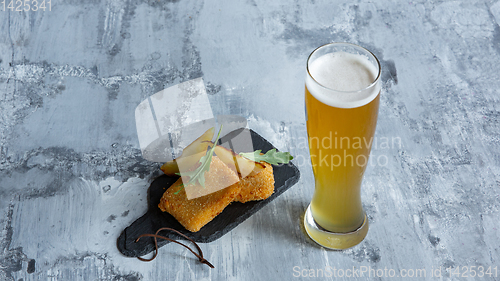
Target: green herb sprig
[(272, 156), (198, 175)]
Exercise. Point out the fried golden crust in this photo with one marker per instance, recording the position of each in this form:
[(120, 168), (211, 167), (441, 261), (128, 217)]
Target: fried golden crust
[(257, 186), (195, 213)]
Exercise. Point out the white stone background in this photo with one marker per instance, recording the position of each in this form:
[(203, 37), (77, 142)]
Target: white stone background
[(72, 176)]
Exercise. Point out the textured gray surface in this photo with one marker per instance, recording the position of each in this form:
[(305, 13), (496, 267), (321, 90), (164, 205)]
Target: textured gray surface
[(72, 176)]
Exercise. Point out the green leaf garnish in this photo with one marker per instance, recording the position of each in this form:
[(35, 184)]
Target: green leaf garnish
[(198, 175), (272, 156)]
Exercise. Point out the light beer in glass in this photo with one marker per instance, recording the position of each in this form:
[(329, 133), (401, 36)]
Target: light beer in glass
[(342, 98)]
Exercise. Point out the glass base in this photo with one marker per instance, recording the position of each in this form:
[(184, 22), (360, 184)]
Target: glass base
[(332, 240)]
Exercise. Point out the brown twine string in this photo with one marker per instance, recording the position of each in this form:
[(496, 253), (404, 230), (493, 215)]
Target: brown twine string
[(156, 236)]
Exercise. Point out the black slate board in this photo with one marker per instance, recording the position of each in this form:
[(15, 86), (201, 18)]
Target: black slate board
[(285, 176)]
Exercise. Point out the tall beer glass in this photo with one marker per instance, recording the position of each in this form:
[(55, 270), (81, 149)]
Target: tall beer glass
[(342, 99)]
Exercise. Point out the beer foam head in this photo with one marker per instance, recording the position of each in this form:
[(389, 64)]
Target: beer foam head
[(343, 79)]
